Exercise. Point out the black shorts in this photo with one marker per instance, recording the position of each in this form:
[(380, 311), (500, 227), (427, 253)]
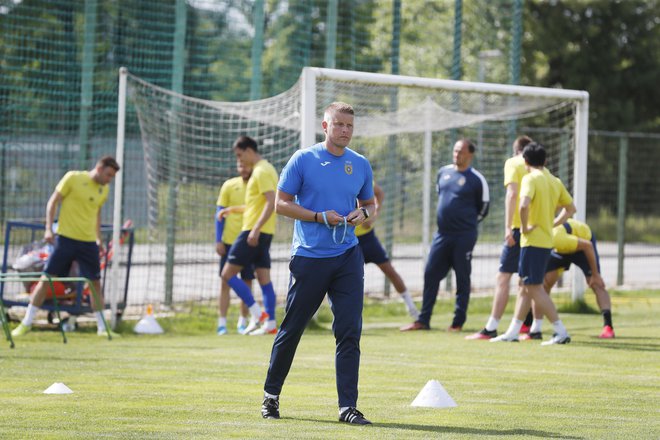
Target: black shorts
[(244, 255), (68, 250), (247, 273), (372, 249)]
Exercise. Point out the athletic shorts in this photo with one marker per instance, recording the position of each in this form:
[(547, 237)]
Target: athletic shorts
[(247, 273), (372, 250), (510, 256), (533, 262), (242, 254), (68, 250), (564, 261)]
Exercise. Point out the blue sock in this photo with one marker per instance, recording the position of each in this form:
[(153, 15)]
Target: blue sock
[(269, 299), (242, 290)]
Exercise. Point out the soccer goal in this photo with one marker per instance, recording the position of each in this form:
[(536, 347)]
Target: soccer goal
[(406, 127)]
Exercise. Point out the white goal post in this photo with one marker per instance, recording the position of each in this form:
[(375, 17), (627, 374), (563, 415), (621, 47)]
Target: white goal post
[(404, 126)]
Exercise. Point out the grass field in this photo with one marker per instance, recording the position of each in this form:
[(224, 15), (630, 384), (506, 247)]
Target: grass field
[(190, 383)]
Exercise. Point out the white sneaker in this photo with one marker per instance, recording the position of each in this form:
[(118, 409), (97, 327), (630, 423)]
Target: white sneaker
[(557, 339), (505, 337), (263, 330)]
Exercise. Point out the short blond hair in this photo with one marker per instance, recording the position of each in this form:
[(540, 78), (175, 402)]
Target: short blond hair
[(338, 107)]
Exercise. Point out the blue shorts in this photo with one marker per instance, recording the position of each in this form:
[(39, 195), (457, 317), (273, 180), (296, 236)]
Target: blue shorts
[(533, 262), (510, 256), (564, 261), (247, 273), (244, 255), (68, 250), (372, 250)]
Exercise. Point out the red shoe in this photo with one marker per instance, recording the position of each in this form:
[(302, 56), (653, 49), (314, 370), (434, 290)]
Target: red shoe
[(454, 328), (483, 334), (524, 329), (530, 336), (607, 333), (414, 326)]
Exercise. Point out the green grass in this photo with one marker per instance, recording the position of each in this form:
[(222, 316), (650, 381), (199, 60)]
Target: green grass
[(190, 383)]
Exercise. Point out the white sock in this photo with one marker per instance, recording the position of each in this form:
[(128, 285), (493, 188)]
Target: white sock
[(255, 311), (514, 327), (559, 328), (270, 324), (271, 396), (492, 324), (405, 295), (242, 321), (100, 324), (222, 322), (536, 326), (342, 409), (29, 315)]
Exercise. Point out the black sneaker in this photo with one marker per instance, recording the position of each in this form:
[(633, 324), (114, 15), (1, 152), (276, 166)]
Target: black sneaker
[(270, 409), (483, 334), (352, 415), (532, 335)]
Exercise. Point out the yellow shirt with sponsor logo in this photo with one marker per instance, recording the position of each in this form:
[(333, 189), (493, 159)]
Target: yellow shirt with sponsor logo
[(232, 193), (264, 178), (547, 193), (82, 198), (514, 171), (565, 242)]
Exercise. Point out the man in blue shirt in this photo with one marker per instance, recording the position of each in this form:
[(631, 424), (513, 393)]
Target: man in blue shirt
[(463, 200), (318, 188)]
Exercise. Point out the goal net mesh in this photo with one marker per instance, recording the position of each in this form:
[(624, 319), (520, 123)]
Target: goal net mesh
[(400, 128)]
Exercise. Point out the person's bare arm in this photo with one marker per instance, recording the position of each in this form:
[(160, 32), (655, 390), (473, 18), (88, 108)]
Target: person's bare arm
[(524, 215), (51, 208), (269, 208), (509, 210), (567, 211)]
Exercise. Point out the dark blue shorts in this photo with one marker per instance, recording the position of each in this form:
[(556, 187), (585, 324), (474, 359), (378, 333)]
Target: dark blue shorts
[(68, 250), (510, 256), (244, 255), (578, 258), (533, 262), (372, 250), (247, 273)]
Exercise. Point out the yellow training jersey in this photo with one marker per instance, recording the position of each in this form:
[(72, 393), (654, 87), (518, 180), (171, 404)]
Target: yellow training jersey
[(547, 193), (232, 193), (565, 242), (264, 178), (514, 170), (82, 198)]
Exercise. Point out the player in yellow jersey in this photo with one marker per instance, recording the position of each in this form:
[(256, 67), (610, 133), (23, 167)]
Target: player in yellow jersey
[(514, 170), (574, 243), (374, 252), (541, 195), (252, 246), (228, 223), (81, 195)]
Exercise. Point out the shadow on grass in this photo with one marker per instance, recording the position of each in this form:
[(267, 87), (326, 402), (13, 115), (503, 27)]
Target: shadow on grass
[(453, 429), (622, 344)]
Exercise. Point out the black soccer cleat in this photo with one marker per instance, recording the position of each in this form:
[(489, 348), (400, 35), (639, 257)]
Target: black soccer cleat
[(353, 416), (270, 409)]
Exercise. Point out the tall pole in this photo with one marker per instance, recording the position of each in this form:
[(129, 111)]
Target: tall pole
[(391, 161), (331, 36), (514, 58), (621, 208), (178, 63), (87, 82), (257, 50)]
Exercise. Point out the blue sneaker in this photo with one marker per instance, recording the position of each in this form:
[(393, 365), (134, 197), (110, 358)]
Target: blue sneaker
[(241, 329), (222, 330)]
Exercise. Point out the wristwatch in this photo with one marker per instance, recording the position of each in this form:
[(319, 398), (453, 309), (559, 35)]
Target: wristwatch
[(365, 212)]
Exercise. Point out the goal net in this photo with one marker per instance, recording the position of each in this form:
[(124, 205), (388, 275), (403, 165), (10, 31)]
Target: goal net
[(405, 126)]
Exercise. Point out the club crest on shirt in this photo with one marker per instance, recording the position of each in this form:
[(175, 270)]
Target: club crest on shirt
[(348, 168), (461, 181)]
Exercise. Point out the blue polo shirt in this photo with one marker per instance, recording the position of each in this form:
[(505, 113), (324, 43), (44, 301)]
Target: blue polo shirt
[(321, 181), (463, 199)]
